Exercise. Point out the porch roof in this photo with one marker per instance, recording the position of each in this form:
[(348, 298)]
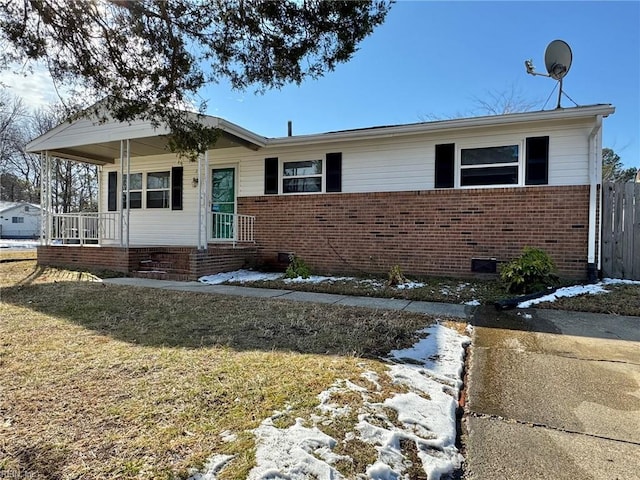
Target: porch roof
[(92, 141)]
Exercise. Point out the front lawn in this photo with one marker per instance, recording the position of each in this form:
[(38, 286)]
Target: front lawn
[(100, 381)]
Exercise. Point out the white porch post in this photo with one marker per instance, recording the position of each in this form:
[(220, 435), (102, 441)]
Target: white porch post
[(99, 225), (46, 200), (203, 214), (125, 169)]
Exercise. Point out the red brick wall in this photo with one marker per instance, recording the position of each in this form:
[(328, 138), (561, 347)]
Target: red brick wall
[(180, 263), (75, 256), (434, 232)]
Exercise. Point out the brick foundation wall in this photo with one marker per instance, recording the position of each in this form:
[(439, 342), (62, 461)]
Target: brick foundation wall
[(218, 259), (434, 232), (75, 256), (180, 263)]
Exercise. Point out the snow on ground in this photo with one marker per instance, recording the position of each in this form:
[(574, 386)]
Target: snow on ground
[(431, 370), (409, 285), (239, 276), (316, 279), (19, 244), (575, 290)]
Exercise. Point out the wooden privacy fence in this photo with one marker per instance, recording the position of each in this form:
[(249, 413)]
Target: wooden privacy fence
[(621, 230)]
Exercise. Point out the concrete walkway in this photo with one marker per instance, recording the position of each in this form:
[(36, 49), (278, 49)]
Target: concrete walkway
[(431, 308), (553, 395)]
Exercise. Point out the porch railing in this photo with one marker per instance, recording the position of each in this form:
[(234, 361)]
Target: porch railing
[(231, 227), (85, 228)]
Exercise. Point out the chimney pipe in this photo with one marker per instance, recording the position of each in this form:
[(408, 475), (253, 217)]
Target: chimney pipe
[(289, 128)]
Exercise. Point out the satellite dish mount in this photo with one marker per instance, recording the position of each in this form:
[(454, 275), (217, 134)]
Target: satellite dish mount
[(557, 60)]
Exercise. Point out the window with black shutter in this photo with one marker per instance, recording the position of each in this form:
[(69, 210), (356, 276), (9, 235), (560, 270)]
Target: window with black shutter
[(176, 188), (537, 161), (445, 165), (334, 172), (271, 176), (112, 191)]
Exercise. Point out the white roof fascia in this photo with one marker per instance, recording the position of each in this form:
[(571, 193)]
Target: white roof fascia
[(444, 125), (137, 130)]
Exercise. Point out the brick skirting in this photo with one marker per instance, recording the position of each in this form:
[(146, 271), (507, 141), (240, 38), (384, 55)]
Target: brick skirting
[(434, 232), (176, 263)]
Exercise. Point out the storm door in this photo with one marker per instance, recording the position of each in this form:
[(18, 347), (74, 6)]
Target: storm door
[(223, 203)]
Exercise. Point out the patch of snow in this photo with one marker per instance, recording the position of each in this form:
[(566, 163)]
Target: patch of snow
[(19, 244), (295, 453), (619, 281), (373, 378), (211, 468), (227, 436), (409, 285), (239, 276), (473, 303), (316, 279), (425, 417), (574, 291)]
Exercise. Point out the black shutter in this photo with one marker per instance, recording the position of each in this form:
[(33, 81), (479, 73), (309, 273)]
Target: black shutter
[(334, 172), (537, 161), (176, 188), (112, 191), (445, 165), (271, 176)]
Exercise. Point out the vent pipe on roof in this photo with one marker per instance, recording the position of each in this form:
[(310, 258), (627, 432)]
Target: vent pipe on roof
[(289, 128)]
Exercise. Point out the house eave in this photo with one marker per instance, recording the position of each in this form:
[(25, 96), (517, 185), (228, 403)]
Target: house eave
[(445, 125)]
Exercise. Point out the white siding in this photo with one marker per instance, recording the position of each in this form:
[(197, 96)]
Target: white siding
[(408, 162), (160, 226)]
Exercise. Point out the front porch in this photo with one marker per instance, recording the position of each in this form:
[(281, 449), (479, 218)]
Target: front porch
[(159, 215)]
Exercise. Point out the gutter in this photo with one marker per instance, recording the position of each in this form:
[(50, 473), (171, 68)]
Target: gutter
[(442, 126), (594, 226)]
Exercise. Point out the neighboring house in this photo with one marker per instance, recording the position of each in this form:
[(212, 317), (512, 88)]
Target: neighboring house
[(19, 220), (449, 198)]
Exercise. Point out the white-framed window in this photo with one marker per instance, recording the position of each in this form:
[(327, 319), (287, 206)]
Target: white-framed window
[(158, 189), (303, 176), (490, 165), (154, 187), (135, 190), (17, 219)]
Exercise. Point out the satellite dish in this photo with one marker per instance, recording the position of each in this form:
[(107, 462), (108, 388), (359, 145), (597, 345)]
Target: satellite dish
[(557, 59)]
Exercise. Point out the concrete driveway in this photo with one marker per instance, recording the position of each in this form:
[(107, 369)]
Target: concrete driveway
[(553, 395)]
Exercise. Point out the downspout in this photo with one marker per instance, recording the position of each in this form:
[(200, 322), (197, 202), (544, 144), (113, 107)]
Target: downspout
[(594, 142)]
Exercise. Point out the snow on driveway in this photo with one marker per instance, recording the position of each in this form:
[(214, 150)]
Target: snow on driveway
[(431, 371)]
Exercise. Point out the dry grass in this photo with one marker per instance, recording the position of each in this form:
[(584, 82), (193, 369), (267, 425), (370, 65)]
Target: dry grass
[(434, 290), (116, 382), (14, 255)]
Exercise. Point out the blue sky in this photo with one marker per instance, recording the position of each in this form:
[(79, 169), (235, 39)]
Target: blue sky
[(433, 58)]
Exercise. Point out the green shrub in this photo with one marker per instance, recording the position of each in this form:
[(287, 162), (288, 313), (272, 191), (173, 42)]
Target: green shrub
[(396, 277), (297, 268), (531, 272)]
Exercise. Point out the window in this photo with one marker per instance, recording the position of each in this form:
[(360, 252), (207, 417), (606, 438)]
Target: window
[(158, 188), (302, 177), (135, 190), (17, 219), (489, 166), (26, 208)]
